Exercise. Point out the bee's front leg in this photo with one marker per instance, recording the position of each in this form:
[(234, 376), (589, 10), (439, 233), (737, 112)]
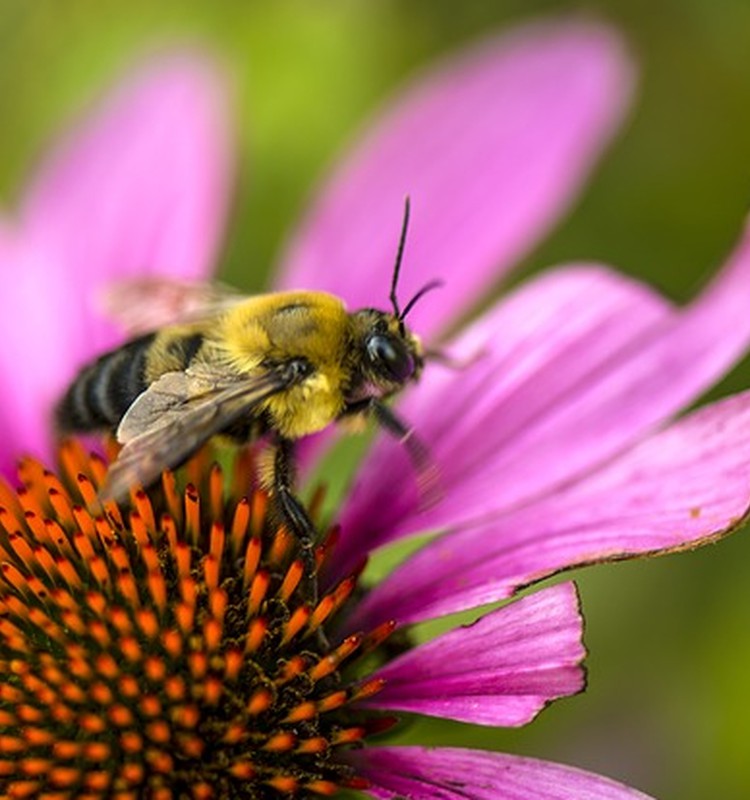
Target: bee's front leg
[(293, 512), (428, 477)]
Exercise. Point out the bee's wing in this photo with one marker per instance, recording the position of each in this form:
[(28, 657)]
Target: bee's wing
[(140, 305), (176, 415)]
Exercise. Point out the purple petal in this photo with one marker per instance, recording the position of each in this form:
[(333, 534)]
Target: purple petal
[(34, 359), (450, 773), (536, 348), (532, 416), (678, 489), (139, 188), (502, 670), (491, 148)]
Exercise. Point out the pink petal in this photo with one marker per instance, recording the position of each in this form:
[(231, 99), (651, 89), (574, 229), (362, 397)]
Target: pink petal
[(678, 489), (502, 440), (34, 360), (535, 349), (502, 670), (139, 188), (491, 148), (449, 773)]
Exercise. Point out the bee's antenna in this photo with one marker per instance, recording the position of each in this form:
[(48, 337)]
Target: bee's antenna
[(428, 287), (399, 257)]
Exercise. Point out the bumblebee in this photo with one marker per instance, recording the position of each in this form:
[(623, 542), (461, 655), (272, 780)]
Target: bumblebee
[(282, 365)]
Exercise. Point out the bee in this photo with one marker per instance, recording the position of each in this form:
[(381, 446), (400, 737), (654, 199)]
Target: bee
[(282, 366)]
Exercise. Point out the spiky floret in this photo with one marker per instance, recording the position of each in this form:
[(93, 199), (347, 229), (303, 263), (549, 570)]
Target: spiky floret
[(165, 650)]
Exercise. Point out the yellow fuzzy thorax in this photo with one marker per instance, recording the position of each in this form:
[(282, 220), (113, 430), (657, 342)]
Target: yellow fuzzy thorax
[(307, 408), (278, 327)]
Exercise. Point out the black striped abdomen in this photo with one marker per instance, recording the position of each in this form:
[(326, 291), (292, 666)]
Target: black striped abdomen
[(104, 390)]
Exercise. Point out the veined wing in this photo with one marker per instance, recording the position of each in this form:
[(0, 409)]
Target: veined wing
[(180, 412), (146, 304)]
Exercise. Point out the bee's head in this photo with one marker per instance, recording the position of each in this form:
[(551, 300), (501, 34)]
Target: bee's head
[(391, 355)]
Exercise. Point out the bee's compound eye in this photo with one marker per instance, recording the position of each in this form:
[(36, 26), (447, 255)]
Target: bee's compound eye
[(391, 357)]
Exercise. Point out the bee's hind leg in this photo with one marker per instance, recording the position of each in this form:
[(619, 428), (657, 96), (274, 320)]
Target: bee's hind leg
[(294, 514)]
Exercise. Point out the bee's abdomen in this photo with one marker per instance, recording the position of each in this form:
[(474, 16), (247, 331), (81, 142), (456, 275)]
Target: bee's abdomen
[(103, 391)]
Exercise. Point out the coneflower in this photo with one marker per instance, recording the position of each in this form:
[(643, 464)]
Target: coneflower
[(165, 650)]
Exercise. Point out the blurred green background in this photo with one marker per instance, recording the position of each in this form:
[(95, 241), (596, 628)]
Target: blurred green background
[(668, 703)]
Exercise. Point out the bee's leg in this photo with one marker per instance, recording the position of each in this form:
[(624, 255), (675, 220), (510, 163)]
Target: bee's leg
[(450, 362), (294, 512), (427, 472)]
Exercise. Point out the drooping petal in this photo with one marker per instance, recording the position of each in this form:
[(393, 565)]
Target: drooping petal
[(491, 149), (502, 670), (530, 353), (450, 773), (140, 188), (33, 360), (676, 490), (502, 441)]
